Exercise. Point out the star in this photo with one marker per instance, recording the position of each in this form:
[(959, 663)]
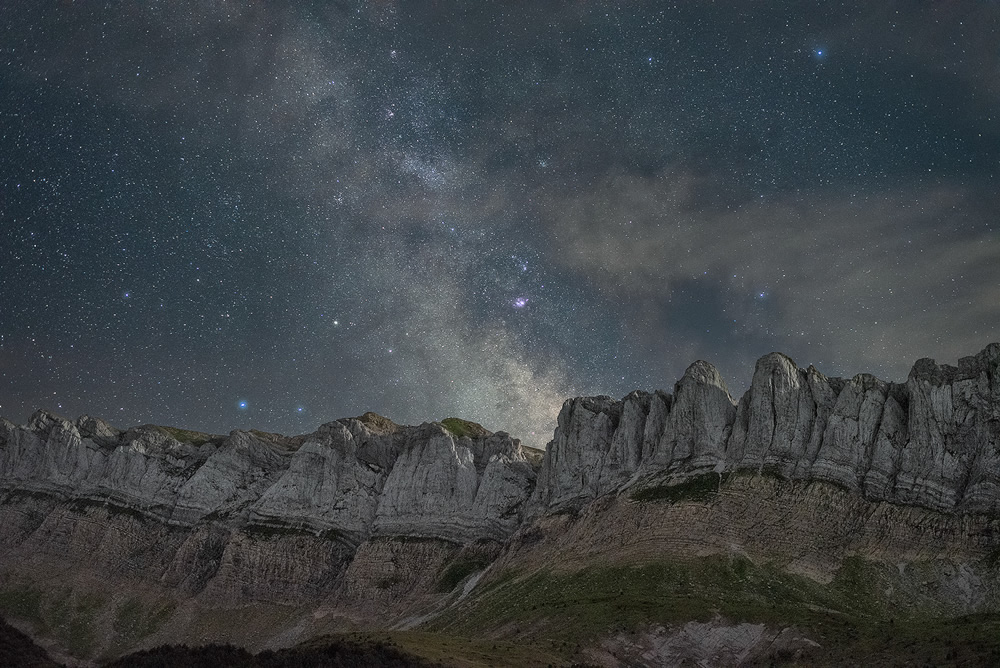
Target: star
[(420, 192)]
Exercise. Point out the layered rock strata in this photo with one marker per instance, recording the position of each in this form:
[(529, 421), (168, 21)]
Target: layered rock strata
[(365, 523), (356, 477), (932, 441)]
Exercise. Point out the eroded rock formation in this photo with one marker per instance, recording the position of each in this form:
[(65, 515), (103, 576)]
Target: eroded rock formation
[(932, 441), (265, 540), (358, 477)]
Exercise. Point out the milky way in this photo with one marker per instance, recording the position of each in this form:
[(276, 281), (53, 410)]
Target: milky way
[(220, 216)]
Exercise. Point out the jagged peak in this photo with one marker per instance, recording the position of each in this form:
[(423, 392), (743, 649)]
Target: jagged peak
[(869, 381), (775, 361), (927, 369), (868, 434), (600, 403), (44, 419), (704, 373)]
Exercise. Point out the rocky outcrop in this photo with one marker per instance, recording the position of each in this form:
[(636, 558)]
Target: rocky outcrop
[(932, 441), (354, 477), (359, 519)]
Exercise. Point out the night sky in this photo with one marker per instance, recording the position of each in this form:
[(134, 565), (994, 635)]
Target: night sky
[(220, 215)]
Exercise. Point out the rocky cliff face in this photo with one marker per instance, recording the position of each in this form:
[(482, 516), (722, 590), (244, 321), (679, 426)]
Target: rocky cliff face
[(117, 538), (932, 441), (357, 477), (121, 539)]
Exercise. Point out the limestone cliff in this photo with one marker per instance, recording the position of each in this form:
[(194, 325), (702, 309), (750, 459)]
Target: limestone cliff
[(932, 441), (356, 477), (118, 539)]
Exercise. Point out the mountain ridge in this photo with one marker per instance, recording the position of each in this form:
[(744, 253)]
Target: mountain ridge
[(122, 539), (929, 441)]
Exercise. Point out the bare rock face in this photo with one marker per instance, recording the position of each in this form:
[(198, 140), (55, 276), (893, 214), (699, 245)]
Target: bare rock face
[(357, 477), (601, 444), (951, 456), (438, 488), (933, 441), (578, 456), (697, 422), (357, 520), (333, 481)]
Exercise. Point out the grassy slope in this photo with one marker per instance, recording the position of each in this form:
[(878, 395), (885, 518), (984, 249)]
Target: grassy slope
[(565, 612), (195, 438), (459, 428), (72, 617)]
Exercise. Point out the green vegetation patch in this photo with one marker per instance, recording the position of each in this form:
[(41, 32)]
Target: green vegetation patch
[(459, 569), (274, 531), (576, 607), (135, 620), (83, 505), (704, 487), (195, 438), (852, 617), (81, 633), (459, 428), (269, 531), (594, 601), (68, 616), (23, 602)]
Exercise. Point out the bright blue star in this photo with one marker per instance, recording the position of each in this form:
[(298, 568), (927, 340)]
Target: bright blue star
[(243, 404)]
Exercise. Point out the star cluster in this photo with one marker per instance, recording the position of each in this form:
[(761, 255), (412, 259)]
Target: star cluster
[(220, 216)]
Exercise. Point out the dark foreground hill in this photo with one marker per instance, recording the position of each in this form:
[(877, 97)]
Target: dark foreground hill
[(18, 649), (332, 655), (816, 520)]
